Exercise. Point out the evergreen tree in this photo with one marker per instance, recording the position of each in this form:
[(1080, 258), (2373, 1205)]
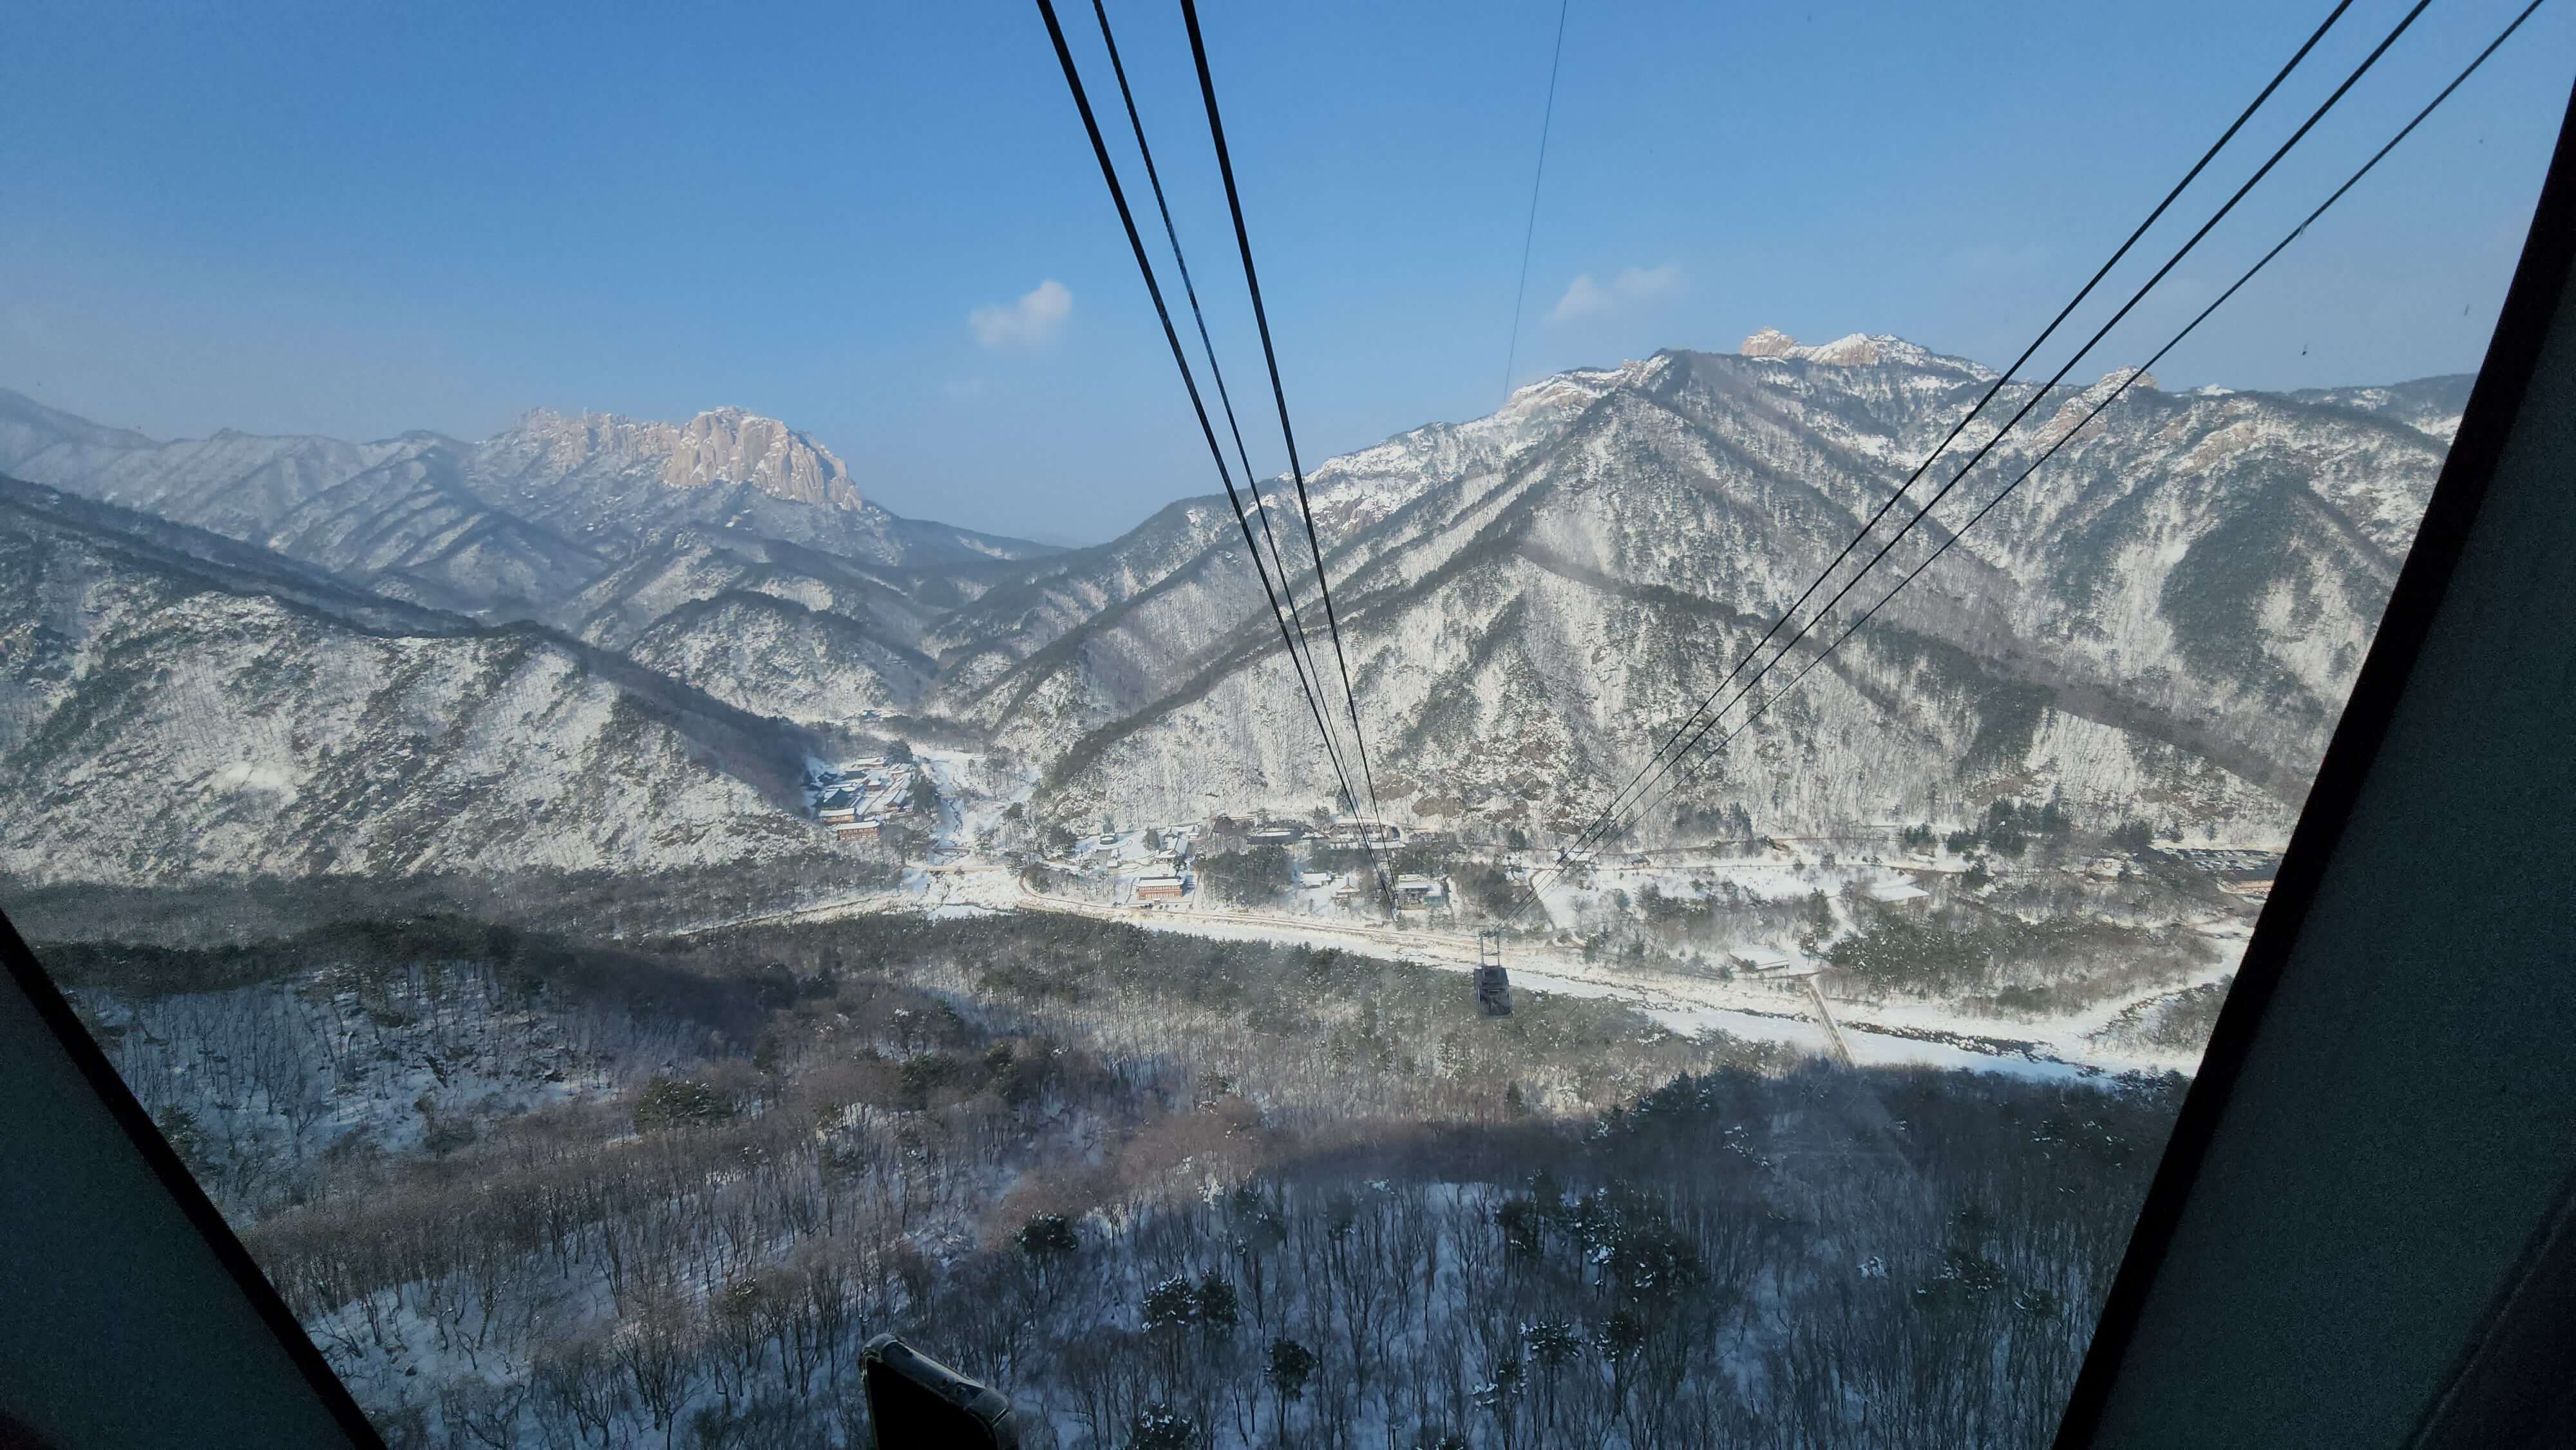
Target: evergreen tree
[(1291, 1365), (1171, 1304), (1215, 1306), (1621, 1336), (673, 1102), (1047, 1236)]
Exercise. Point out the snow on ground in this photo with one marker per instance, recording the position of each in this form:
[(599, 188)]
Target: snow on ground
[(970, 799), (1780, 876), (327, 1056), (1763, 1011), (972, 795)]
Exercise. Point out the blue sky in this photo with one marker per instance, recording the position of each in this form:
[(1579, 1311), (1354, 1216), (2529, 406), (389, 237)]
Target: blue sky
[(881, 223)]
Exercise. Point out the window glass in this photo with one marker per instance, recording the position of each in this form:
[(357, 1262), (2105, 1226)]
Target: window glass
[(631, 710)]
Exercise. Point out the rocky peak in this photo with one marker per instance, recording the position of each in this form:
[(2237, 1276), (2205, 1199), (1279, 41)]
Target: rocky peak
[(1769, 342), (1857, 350), (720, 446)]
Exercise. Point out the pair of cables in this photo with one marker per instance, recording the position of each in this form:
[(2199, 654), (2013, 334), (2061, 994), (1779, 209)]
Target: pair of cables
[(1630, 800), (1280, 593)]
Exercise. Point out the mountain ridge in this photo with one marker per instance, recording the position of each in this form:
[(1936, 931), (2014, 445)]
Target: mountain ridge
[(1837, 432), (2164, 620), (557, 486), (176, 717)]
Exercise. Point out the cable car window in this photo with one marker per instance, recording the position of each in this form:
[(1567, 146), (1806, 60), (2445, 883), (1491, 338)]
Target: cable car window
[(676, 712)]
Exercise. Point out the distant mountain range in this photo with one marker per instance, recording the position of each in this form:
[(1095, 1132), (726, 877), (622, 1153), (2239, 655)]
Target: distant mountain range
[(175, 704), (592, 641), (510, 525)]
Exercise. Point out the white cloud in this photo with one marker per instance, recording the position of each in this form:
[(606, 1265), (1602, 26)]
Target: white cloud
[(1636, 284), (1038, 316)]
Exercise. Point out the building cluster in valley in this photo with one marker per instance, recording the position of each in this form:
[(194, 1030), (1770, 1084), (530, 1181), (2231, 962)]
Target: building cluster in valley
[(855, 798), (1157, 858), (1157, 866), (1763, 908), (1346, 832)]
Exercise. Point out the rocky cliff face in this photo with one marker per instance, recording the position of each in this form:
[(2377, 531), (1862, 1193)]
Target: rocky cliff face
[(720, 446), (616, 482)]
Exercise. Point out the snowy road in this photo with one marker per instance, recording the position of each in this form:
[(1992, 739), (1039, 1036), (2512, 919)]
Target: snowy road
[(1917, 1033), (1891, 1034)]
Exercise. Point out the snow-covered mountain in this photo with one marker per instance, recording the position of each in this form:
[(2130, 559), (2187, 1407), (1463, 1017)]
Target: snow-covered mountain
[(615, 482), (768, 625), (2162, 623), (505, 528), (176, 705)]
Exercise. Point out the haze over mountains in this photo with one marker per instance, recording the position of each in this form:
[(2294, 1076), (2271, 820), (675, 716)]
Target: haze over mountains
[(495, 528), (600, 642)]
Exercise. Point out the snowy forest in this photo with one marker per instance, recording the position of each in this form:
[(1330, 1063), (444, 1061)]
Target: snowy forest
[(526, 1190)]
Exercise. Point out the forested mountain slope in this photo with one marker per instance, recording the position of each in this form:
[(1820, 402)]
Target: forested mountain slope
[(2165, 619), (1110, 1171), (166, 716)]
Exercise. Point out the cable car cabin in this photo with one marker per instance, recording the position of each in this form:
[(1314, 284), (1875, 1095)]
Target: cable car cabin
[(1493, 986)]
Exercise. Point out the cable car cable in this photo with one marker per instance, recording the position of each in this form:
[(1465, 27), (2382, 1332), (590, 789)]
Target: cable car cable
[(1547, 122), (1659, 771), (1609, 811), (1592, 835), (1270, 355), (1145, 267), (1216, 372), (2124, 385), (2041, 393), (1189, 290)]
